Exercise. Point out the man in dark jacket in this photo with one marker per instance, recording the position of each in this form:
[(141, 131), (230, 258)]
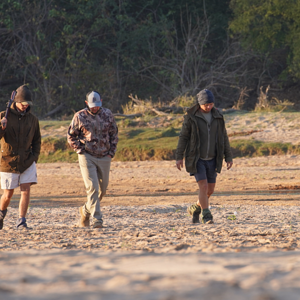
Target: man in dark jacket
[(20, 148), (204, 142)]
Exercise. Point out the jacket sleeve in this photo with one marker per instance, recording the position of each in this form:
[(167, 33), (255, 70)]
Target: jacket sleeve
[(73, 136), (227, 149), (184, 138), (113, 134), (36, 142), (35, 146), (2, 131)]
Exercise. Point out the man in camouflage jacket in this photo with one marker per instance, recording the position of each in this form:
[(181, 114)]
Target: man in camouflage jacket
[(93, 134)]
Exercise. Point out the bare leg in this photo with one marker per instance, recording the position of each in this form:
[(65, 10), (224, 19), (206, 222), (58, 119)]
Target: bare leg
[(5, 199), (202, 198), (210, 190), (24, 201), (205, 191)]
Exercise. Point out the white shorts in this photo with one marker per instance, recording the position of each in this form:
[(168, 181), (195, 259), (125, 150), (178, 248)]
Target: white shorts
[(10, 181)]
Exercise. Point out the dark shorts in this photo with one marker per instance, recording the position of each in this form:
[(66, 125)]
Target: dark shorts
[(206, 169)]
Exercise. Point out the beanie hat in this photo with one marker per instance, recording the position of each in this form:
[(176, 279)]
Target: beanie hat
[(93, 99), (23, 95), (205, 97)]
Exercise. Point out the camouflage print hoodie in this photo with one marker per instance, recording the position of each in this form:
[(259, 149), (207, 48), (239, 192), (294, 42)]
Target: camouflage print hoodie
[(96, 134)]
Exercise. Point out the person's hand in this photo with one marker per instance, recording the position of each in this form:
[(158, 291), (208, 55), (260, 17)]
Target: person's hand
[(229, 164), (3, 123), (109, 156), (179, 164)]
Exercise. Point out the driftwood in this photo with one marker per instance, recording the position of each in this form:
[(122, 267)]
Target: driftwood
[(243, 133), (146, 107), (174, 109), (131, 116), (159, 113), (158, 110), (136, 100), (55, 110), (228, 110)]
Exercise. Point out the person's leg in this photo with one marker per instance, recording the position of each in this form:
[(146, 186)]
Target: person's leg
[(27, 178), (25, 198), (23, 204), (205, 208), (4, 203), (203, 194), (195, 209), (5, 199), (211, 183), (210, 190), (207, 187), (103, 168), (103, 175), (89, 174)]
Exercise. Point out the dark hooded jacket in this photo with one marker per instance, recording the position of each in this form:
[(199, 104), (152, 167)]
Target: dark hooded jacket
[(190, 140), (20, 141)]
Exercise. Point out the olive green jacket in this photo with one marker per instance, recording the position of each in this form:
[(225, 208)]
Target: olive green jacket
[(190, 140), (20, 141)]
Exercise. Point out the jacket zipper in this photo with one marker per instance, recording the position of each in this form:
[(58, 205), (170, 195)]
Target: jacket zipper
[(208, 139), (18, 138)]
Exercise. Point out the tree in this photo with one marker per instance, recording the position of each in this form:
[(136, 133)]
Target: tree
[(270, 27), (46, 43)]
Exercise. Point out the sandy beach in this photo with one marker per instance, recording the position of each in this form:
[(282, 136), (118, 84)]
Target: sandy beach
[(149, 248)]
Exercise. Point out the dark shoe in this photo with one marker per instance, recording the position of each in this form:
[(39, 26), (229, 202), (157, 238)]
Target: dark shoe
[(195, 211), (2, 216), (207, 217), (84, 219), (21, 223), (98, 224)]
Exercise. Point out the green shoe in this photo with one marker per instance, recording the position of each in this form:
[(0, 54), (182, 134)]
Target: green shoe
[(194, 210), (206, 216)]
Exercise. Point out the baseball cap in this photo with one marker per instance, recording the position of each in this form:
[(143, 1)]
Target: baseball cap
[(93, 99)]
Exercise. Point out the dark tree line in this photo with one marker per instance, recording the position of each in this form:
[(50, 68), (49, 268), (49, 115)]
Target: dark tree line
[(151, 48)]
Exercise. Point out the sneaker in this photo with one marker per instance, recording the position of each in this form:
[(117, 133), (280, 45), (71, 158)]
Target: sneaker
[(84, 219), (21, 223), (98, 224), (206, 217), (2, 216), (194, 210)]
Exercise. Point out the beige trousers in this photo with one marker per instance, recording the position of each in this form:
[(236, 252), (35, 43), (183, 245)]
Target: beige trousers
[(95, 174)]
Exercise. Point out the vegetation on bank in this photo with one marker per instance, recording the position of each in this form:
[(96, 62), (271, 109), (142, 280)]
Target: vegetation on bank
[(144, 143), (154, 49), (147, 144), (148, 132)]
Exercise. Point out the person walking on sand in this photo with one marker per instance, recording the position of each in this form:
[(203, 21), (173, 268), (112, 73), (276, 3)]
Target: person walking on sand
[(20, 148), (93, 134), (204, 142)]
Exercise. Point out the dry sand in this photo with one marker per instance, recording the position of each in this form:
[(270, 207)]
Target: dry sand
[(149, 249)]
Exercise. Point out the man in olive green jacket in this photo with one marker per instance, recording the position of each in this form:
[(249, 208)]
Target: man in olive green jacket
[(204, 142), (20, 148)]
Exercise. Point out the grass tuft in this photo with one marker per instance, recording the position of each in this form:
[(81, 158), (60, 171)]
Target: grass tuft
[(250, 148)]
